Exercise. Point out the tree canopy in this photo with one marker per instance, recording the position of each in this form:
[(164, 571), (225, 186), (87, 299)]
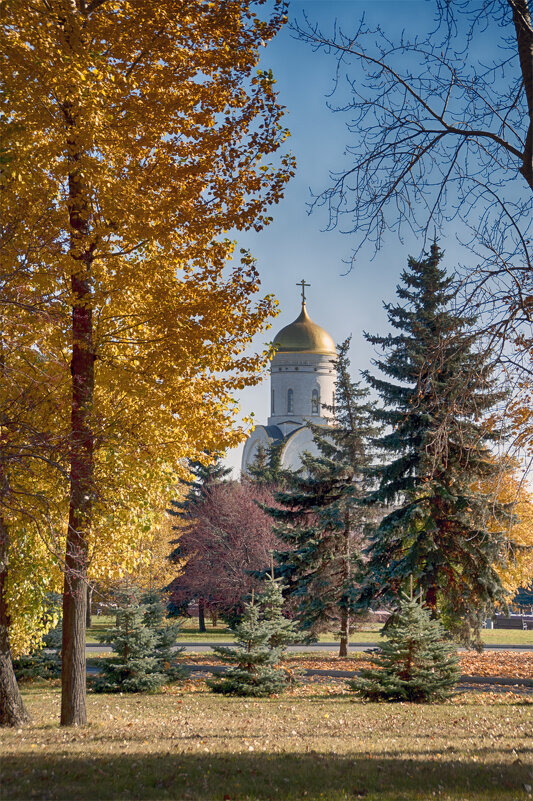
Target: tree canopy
[(138, 135)]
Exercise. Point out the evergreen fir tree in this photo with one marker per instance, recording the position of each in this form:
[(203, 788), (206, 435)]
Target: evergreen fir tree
[(266, 467), (262, 635), (166, 633), (283, 631), (415, 663), (437, 445), (320, 516), (135, 667), (204, 476), (43, 662)]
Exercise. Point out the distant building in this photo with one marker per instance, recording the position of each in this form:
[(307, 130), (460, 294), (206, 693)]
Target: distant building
[(302, 378)]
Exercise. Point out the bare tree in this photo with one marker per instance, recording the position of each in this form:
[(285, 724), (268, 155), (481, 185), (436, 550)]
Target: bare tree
[(441, 131)]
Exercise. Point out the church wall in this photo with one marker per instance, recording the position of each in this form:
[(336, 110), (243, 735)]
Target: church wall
[(296, 444), (258, 437), (302, 373)]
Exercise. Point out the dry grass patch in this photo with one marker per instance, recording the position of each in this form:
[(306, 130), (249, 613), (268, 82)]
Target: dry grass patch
[(315, 743)]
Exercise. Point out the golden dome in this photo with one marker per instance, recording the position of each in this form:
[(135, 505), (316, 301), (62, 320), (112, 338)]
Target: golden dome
[(304, 336)]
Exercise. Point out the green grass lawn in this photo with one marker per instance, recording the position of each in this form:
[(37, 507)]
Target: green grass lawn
[(221, 633), (507, 636), (322, 745), (99, 623), (189, 630)]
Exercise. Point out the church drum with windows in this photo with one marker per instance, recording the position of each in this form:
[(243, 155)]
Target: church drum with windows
[(302, 379)]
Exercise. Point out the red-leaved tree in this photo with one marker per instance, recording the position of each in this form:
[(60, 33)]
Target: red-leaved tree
[(227, 541)]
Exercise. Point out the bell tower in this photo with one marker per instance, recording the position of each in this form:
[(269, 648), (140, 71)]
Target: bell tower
[(302, 374), (302, 379)]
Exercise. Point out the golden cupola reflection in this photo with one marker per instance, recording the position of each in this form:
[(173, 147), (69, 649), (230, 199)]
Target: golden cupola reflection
[(304, 336)]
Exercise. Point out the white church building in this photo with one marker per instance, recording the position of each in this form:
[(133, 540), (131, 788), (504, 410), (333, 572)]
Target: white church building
[(302, 378)]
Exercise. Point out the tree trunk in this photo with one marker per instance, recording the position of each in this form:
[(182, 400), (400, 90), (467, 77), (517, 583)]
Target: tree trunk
[(431, 599), (524, 40), (346, 574), (12, 710), (73, 711), (201, 615), (89, 611), (345, 632), (73, 708)]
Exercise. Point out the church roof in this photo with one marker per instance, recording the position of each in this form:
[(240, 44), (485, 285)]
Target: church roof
[(304, 336)]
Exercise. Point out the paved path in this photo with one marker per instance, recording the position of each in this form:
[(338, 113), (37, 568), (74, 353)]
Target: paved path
[(206, 647)]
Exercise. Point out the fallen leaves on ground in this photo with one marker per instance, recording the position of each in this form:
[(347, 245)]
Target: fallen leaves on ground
[(324, 687), (508, 664)]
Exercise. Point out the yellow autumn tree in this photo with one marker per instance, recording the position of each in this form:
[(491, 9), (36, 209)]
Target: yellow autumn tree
[(31, 478), (145, 133), (520, 411), (518, 569)]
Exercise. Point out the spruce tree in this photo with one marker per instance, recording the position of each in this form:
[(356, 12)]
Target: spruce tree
[(320, 516), (43, 662), (415, 663), (166, 635), (203, 477), (283, 631), (143, 646), (266, 467), (262, 635), (437, 392)]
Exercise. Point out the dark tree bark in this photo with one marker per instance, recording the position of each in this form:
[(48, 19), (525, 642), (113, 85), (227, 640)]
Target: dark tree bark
[(12, 710), (524, 41), (89, 612), (73, 711), (73, 677), (345, 632), (346, 577), (201, 615)]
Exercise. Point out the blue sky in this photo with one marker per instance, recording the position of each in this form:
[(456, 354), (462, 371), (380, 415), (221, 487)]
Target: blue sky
[(295, 245)]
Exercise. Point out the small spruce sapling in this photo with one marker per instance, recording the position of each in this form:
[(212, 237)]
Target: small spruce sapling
[(416, 662), (43, 662), (135, 667), (166, 636), (262, 636)]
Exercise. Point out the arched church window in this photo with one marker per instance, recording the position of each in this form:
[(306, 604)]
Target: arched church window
[(315, 403), (290, 400), (273, 403)]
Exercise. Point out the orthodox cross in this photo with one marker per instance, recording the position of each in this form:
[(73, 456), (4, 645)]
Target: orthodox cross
[(303, 285)]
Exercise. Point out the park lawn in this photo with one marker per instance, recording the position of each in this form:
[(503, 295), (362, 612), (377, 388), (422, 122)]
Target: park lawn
[(488, 636), (221, 633), (189, 631), (99, 624), (316, 744), (507, 636)]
